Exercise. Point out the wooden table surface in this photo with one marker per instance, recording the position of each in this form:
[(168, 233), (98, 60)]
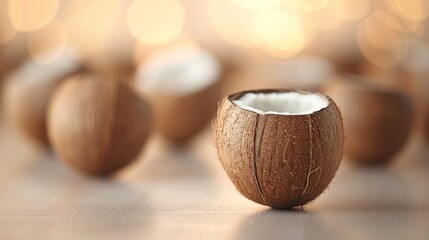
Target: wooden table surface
[(184, 193)]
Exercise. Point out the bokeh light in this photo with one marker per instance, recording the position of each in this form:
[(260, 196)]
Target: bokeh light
[(324, 20), (350, 10), (156, 22), (382, 45), (232, 23), (52, 38), (312, 5), (143, 50), (30, 15), (90, 22), (388, 18), (257, 4), (7, 32), (415, 10), (117, 32), (280, 33)]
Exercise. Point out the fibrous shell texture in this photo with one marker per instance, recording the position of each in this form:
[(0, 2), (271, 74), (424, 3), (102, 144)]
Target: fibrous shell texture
[(279, 160), (97, 125)]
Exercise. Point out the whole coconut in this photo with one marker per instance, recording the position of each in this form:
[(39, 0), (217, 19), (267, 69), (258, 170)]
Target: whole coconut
[(29, 90), (377, 121), (280, 148), (97, 125)]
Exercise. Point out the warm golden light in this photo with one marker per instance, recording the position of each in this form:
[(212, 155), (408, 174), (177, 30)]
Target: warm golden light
[(388, 18), (30, 15), (53, 36), (142, 50), (324, 20), (312, 5), (107, 33), (257, 4), (7, 32), (90, 22), (280, 33), (415, 10), (156, 22), (350, 10), (382, 45), (232, 23)]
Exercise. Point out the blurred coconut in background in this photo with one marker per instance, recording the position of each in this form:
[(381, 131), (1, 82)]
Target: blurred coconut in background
[(299, 44), (377, 121), (183, 85), (29, 90)]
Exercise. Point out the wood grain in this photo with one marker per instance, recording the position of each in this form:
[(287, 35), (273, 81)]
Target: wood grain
[(184, 194)]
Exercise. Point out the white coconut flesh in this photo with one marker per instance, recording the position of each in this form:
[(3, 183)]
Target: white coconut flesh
[(178, 71), (35, 73), (282, 103)]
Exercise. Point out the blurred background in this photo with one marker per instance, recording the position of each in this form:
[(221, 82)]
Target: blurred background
[(259, 43), (240, 44), (245, 44), (374, 35)]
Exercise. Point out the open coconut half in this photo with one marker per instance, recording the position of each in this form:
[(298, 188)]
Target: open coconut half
[(377, 120), (280, 148), (29, 90), (182, 84)]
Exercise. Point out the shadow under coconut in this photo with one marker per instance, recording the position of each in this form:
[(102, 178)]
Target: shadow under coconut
[(281, 224)]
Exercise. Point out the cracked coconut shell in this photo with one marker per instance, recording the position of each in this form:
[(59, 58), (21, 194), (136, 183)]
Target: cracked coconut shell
[(377, 121), (282, 161), (97, 125)]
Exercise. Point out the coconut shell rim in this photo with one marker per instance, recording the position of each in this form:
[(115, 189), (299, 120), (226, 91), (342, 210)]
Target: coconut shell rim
[(237, 95)]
